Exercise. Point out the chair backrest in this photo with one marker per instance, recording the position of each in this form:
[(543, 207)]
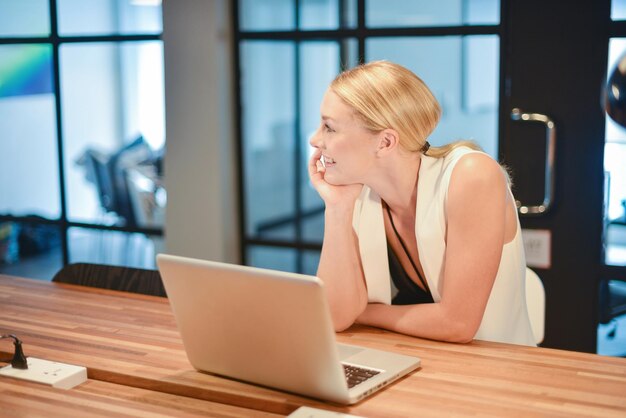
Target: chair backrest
[(129, 279), (536, 303), (96, 164)]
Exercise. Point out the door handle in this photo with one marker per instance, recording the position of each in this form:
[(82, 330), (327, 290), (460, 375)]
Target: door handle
[(548, 198)]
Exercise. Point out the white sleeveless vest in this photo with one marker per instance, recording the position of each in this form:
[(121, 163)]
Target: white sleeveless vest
[(506, 316)]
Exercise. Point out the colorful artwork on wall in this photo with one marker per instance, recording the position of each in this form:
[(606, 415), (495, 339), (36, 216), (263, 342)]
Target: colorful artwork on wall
[(25, 70)]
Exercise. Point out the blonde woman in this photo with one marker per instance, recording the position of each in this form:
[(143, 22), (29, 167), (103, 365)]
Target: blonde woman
[(419, 240)]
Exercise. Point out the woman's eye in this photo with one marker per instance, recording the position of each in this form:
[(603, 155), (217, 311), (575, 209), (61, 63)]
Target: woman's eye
[(327, 128)]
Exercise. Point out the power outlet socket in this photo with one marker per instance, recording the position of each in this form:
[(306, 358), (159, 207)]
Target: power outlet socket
[(58, 375)]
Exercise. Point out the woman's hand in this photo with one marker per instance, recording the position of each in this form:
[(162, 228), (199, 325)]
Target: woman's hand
[(340, 265), (332, 195)]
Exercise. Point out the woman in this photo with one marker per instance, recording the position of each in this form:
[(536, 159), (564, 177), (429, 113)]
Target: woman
[(419, 240)]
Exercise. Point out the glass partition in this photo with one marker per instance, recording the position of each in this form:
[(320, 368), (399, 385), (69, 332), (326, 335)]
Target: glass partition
[(115, 248), (24, 18), (268, 129), (289, 51), (400, 13), (114, 127), (282, 259), (30, 249), (615, 174), (105, 17), (29, 171), (280, 15), (81, 84), (265, 15), (320, 62), (462, 73), (618, 9)]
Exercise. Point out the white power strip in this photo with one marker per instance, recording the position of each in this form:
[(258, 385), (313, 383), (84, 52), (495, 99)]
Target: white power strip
[(58, 375)]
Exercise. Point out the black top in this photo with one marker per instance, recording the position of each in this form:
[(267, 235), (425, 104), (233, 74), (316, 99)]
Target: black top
[(409, 293)]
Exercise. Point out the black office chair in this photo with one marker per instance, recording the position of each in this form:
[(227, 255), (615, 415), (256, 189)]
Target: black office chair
[(612, 305), (108, 174), (128, 279), (98, 172), (135, 153)]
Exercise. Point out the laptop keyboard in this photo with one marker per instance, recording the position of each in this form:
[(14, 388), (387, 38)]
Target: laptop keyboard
[(356, 375)]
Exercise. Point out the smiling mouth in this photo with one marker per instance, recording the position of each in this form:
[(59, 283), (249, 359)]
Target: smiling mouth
[(326, 161)]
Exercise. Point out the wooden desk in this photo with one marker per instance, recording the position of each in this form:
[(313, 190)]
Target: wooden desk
[(102, 399), (132, 340)]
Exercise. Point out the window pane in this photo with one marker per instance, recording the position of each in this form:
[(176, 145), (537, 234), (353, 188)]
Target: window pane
[(327, 14), (267, 96), (618, 9), (469, 102), (114, 248), (617, 47), (481, 12), (266, 15), (29, 174), (400, 13), (79, 17), (113, 124), (22, 18), (612, 321), (282, 259), (310, 261), (30, 249), (615, 198), (319, 64), (615, 174)]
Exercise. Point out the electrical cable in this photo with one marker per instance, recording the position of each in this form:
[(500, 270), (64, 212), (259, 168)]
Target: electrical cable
[(19, 359)]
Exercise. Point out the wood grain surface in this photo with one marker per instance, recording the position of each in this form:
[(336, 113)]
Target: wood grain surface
[(132, 340), (102, 399)]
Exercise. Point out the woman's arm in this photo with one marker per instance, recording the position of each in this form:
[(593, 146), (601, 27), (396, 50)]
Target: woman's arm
[(340, 263), (340, 268), (476, 217)]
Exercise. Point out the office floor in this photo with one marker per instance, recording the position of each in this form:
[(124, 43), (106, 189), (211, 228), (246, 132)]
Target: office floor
[(42, 266)]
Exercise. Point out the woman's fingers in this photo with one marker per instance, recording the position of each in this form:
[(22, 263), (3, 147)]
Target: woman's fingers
[(315, 164)]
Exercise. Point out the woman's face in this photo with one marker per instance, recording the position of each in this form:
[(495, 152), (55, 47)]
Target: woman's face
[(348, 149)]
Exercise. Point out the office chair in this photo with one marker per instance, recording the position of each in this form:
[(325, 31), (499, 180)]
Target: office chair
[(536, 304), (132, 154), (98, 172), (612, 302), (108, 174), (128, 279)]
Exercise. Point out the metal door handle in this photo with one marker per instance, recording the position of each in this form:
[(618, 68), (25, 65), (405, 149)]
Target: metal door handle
[(518, 115)]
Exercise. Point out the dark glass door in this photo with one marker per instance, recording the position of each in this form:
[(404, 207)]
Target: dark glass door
[(555, 58)]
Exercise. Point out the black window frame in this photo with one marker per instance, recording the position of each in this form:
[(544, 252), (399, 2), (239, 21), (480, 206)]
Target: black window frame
[(54, 40), (361, 32)]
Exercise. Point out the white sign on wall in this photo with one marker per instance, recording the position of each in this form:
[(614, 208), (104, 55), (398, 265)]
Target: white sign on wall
[(538, 247)]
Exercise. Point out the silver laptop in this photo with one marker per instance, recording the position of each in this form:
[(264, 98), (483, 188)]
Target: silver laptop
[(270, 328)]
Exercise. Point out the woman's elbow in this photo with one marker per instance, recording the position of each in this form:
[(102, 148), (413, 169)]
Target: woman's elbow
[(344, 318), (462, 332), (342, 321), (462, 338), (342, 326)]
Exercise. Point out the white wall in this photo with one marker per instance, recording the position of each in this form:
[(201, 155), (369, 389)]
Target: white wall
[(201, 219)]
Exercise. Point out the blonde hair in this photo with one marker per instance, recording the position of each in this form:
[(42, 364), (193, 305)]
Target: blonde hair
[(387, 95)]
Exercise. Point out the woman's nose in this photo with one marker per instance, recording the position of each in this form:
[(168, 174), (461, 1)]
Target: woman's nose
[(314, 139)]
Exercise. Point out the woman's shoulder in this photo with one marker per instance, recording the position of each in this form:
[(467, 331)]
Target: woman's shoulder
[(465, 159), (461, 152), (476, 169)]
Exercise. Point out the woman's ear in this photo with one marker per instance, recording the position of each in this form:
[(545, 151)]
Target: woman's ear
[(388, 140)]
